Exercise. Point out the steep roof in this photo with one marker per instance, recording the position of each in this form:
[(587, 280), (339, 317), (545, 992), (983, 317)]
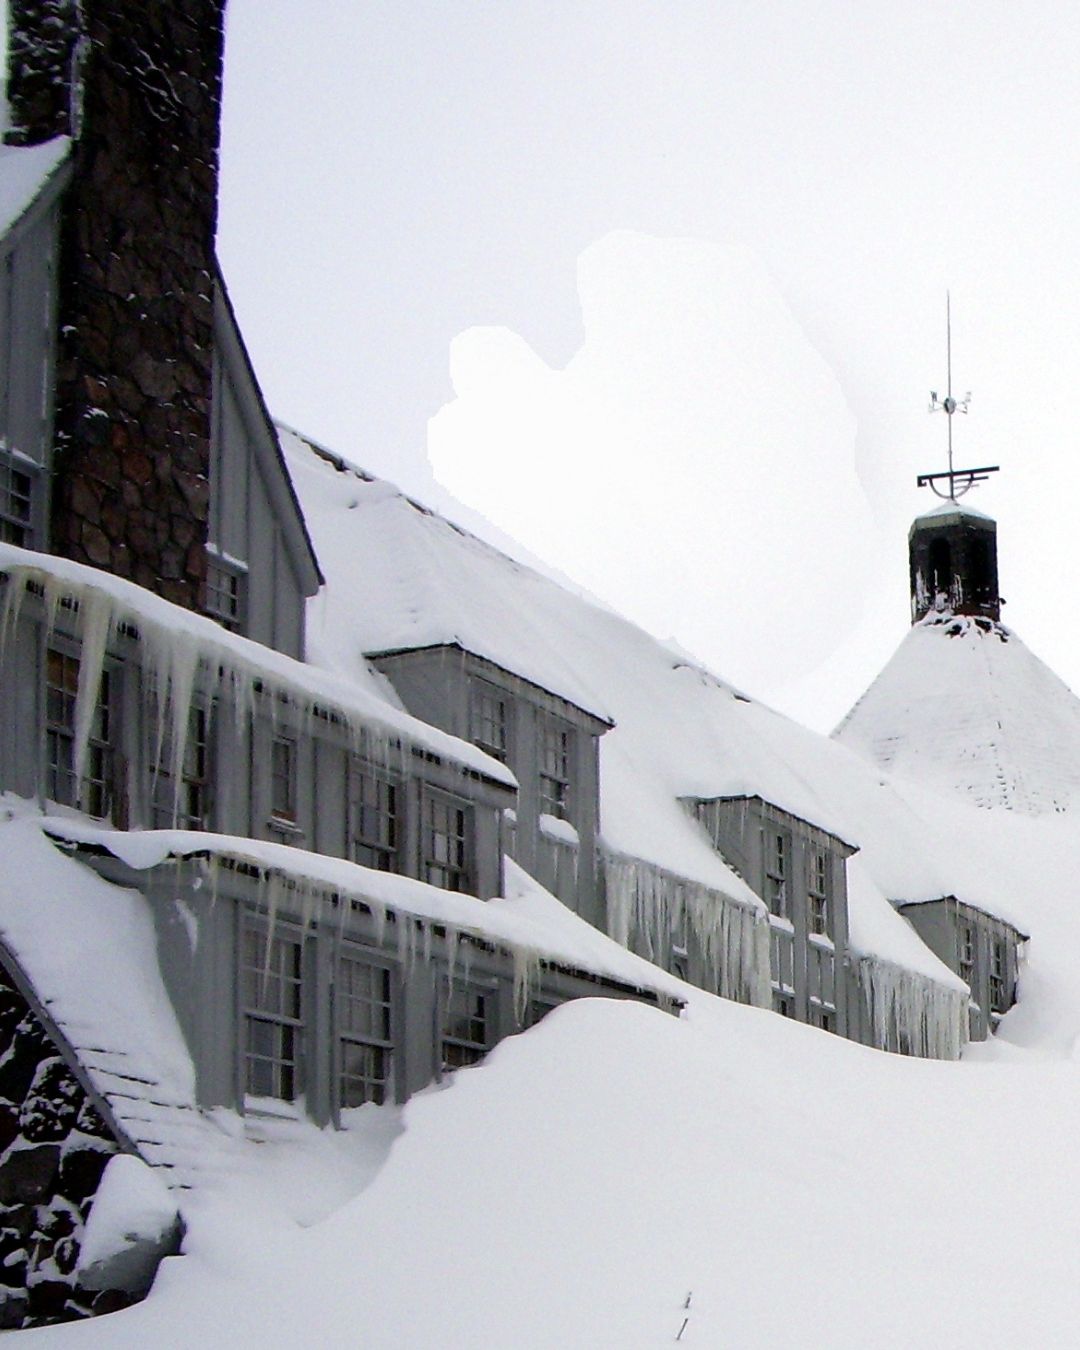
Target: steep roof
[(24, 172), (964, 707), (395, 568)]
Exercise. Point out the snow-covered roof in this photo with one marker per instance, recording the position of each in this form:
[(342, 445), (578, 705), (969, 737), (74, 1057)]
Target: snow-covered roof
[(89, 951), (964, 707), (679, 731), (429, 595), (24, 171), (173, 634), (949, 510)]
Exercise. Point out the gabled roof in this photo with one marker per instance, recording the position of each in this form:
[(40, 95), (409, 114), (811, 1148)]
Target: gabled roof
[(88, 951), (233, 351), (25, 171)]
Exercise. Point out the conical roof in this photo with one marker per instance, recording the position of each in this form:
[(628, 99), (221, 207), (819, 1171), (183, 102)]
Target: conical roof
[(964, 707)]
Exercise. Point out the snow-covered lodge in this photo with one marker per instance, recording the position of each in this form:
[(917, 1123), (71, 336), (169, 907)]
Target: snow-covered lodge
[(311, 796)]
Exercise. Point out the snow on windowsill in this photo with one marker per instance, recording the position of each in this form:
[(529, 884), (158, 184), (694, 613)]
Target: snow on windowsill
[(555, 827)]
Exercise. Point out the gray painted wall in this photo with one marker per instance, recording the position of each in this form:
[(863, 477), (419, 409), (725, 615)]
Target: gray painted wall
[(440, 685), (806, 967), (28, 259), (939, 924), (256, 529)]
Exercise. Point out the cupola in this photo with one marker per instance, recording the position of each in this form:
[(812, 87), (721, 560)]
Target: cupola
[(952, 549)]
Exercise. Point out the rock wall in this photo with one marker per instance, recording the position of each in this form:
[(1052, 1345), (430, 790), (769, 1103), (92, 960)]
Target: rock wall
[(54, 1146), (130, 489), (41, 50)]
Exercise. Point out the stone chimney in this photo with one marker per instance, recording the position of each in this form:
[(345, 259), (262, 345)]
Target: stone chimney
[(137, 83)]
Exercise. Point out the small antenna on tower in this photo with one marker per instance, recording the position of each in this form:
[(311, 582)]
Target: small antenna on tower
[(960, 480)]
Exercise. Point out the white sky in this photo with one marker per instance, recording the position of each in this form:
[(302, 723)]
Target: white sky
[(397, 173)]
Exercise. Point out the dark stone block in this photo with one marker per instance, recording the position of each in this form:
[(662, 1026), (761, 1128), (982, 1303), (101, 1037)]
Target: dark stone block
[(27, 1175), (13, 1308), (51, 1106)]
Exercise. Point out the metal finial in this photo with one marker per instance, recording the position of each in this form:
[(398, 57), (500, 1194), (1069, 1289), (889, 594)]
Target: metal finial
[(960, 480)]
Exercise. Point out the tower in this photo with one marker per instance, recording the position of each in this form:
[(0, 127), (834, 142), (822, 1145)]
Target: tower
[(952, 549)]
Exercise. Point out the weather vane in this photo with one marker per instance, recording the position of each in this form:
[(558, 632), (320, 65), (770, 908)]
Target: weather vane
[(960, 480)]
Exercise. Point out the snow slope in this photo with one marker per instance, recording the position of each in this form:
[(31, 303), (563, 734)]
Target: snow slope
[(964, 707), (598, 1173)]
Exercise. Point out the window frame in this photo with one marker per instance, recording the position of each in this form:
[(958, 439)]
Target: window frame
[(383, 1046), (225, 592), (94, 792), (473, 1049), (819, 907), (554, 766), (463, 872), (189, 807), (284, 813), (382, 853), (289, 1029), (776, 870), (18, 528), (482, 694)]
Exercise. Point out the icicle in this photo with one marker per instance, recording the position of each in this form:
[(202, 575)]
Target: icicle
[(526, 979), (97, 623), (643, 902), (14, 592), (912, 1014)]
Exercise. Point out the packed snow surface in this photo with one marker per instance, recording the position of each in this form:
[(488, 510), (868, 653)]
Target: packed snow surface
[(615, 1173), (965, 708)]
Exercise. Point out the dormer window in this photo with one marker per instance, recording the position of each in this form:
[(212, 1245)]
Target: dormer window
[(226, 591), (16, 504), (489, 720), (555, 740), (817, 893), (777, 866)]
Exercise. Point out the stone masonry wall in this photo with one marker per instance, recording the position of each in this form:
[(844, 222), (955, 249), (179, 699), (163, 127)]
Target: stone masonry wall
[(130, 488), (40, 54), (54, 1146)]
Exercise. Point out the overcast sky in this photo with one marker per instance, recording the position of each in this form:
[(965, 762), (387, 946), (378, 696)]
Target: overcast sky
[(398, 174)]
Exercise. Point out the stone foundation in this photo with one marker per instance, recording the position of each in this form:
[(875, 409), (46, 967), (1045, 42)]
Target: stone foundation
[(54, 1146)]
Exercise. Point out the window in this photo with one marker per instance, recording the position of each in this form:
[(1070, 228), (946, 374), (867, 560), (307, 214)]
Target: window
[(821, 978), (445, 842), (489, 720), (271, 989), (468, 1014), (375, 820), (554, 768), (965, 952), (538, 1008), (93, 794), (16, 504), (999, 974), (777, 849), (817, 892), (941, 572), (184, 803), (782, 970), (363, 999), (283, 778), (226, 584)]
